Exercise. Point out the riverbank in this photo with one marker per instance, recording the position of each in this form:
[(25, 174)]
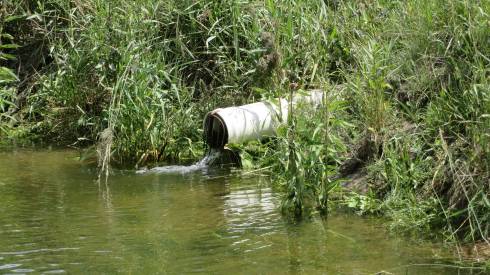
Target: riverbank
[(407, 84)]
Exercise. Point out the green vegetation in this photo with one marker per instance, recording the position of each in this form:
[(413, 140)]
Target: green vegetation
[(407, 86)]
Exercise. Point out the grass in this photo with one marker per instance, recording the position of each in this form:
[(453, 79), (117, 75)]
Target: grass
[(407, 88)]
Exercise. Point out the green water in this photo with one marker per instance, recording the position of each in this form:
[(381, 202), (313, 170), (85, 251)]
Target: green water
[(54, 218)]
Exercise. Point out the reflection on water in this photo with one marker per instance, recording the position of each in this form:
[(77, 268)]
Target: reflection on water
[(55, 218)]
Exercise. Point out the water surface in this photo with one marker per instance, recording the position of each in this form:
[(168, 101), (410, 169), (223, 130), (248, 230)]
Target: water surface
[(54, 218)]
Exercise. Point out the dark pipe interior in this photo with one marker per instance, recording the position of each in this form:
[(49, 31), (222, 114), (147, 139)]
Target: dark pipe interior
[(215, 132)]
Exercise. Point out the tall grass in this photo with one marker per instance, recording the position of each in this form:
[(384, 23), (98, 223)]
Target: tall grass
[(146, 70), (406, 83), (7, 76), (419, 86)]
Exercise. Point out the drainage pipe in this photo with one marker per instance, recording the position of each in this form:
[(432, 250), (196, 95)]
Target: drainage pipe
[(253, 121)]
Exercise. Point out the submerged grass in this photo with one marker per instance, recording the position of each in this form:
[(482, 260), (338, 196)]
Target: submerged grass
[(406, 86)]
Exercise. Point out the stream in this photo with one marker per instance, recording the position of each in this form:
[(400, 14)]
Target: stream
[(54, 218)]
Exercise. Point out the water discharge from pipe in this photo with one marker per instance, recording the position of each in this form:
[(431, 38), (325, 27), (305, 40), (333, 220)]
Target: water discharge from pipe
[(204, 163)]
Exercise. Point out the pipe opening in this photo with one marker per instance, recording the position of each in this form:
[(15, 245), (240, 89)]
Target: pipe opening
[(215, 131)]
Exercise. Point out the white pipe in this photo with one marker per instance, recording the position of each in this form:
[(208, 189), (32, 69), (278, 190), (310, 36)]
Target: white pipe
[(253, 121)]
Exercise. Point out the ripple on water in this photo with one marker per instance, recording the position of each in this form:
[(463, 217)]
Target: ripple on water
[(251, 216), (9, 266), (251, 210), (55, 271), (23, 270), (24, 252)]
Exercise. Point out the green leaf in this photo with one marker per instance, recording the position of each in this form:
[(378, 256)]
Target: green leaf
[(209, 40), (6, 75), (317, 129), (9, 117), (12, 18), (485, 199), (8, 102), (9, 46), (6, 56), (36, 16), (6, 35)]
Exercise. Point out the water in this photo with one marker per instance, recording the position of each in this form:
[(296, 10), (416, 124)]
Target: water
[(222, 158), (54, 218), (201, 165)]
